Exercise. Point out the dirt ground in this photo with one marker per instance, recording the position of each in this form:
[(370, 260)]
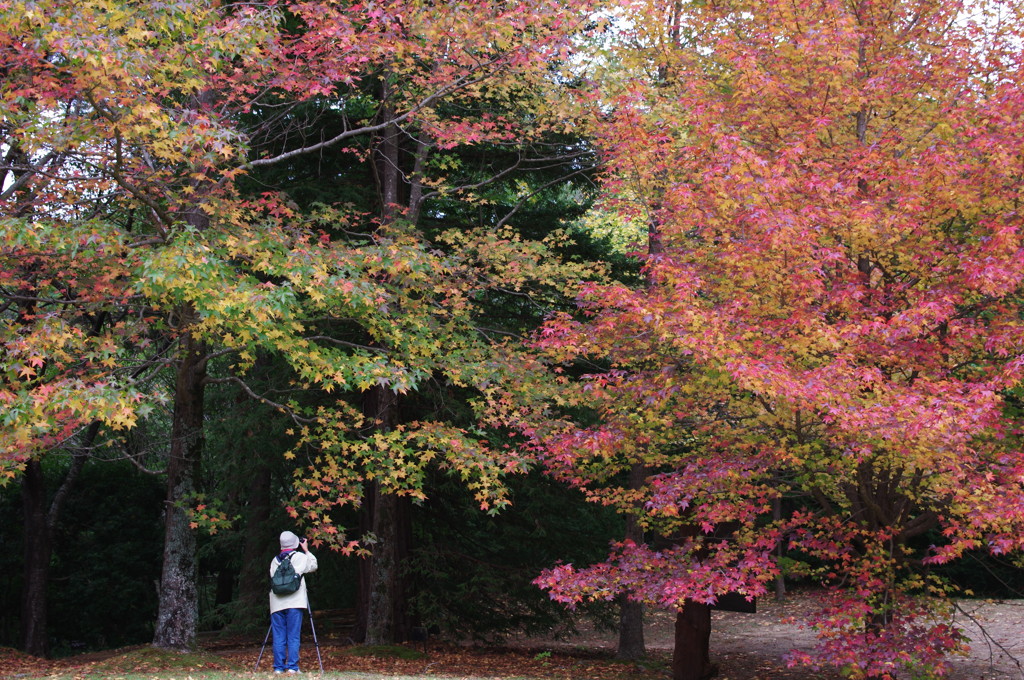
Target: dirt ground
[(745, 647), (752, 646)]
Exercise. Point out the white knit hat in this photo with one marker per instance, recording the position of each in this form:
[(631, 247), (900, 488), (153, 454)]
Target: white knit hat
[(289, 541)]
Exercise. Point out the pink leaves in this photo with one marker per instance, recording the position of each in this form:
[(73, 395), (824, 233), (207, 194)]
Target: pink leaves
[(884, 642), (830, 312), (665, 578)]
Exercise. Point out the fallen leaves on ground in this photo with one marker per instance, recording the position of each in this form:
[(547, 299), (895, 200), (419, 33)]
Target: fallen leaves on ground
[(439, 660), (447, 660)]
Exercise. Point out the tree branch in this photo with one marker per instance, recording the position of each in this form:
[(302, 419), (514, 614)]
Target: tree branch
[(260, 398), (458, 84), (990, 640)]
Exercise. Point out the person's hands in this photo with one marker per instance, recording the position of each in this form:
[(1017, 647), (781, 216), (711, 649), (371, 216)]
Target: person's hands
[(304, 544)]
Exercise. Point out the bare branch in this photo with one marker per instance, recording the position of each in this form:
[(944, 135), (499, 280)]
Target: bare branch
[(213, 355), (260, 398), (29, 174), (78, 458), (458, 84), (344, 343), (990, 640), (504, 220)]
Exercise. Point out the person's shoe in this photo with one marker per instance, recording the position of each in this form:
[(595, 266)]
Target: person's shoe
[(294, 670)]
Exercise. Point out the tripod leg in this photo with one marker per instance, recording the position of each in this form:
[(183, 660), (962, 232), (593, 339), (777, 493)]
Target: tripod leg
[(316, 643), (262, 648)]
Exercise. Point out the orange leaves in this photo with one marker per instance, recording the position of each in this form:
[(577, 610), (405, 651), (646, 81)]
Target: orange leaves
[(157, 92), (830, 308), (59, 373), (205, 515), (820, 236)]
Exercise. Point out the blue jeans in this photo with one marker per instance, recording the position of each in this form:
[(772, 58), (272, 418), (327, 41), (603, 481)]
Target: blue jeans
[(287, 626)]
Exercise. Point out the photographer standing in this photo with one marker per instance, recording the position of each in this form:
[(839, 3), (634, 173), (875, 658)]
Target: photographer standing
[(286, 607)]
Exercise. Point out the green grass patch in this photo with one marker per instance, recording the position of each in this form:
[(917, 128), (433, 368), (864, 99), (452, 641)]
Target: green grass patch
[(225, 675), (143, 662)]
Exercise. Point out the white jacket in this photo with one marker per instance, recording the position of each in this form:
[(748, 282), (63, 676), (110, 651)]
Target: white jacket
[(303, 563)]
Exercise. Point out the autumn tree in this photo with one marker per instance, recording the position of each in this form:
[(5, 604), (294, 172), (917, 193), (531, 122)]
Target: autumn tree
[(834, 315), (473, 160), (125, 141)]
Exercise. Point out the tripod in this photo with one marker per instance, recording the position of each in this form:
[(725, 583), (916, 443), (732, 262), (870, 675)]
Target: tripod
[(316, 643)]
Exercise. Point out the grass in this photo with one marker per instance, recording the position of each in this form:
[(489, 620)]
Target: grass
[(238, 675)]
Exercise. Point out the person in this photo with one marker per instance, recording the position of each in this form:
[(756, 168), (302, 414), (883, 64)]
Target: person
[(286, 610)]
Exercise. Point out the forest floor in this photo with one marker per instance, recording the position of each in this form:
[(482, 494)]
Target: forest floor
[(745, 647), (754, 646)]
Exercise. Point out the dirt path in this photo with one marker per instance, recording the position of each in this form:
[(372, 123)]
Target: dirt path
[(752, 646), (996, 630)]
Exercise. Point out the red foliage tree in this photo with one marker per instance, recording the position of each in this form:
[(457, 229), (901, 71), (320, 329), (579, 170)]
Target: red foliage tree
[(833, 317)]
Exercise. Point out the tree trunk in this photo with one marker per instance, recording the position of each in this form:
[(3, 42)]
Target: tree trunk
[(691, 658), (631, 631), (384, 582), (364, 578), (382, 613), (387, 164), (41, 515), (38, 546), (256, 548), (178, 613), (780, 552), (631, 613), (383, 618)]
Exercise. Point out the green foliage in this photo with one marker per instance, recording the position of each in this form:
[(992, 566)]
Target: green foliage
[(102, 590), (11, 552), (103, 582), (980, 574), (473, 572)]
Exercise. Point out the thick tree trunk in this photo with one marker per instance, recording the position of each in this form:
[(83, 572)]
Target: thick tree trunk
[(384, 578), (383, 618), (382, 612), (178, 610), (691, 655), (364, 577), (38, 546), (631, 613), (252, 581), (178, 613), (631, 631), (388, 164)]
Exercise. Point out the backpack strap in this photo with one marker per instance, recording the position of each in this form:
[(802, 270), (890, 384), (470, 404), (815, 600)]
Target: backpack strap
[(287, 556)]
